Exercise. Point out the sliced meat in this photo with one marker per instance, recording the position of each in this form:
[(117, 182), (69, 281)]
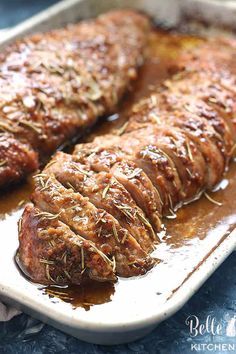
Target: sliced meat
[(141, 188), (202, 134), (187, 159), (173, 100), (176, 144), (91, 223), (184, 155), (139, 148), (100, 156), (106, 193), (196, 87), (51, 253), (209, 133), (144, 150)]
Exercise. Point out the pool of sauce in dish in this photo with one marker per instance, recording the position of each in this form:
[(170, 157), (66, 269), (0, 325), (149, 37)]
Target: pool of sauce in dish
[(198, 228)]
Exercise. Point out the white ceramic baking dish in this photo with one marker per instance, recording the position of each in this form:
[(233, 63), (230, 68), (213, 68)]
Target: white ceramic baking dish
[(139, 304)]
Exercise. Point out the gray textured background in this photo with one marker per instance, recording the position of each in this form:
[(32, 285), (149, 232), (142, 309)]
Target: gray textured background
[(216, 298)]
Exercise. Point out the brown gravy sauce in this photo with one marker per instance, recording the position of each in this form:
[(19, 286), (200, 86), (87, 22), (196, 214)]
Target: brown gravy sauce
[(199, 226)]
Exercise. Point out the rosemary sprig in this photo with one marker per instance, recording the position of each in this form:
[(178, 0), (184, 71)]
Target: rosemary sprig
[(155, 117), (212, 200), (40, 175), (35, 127), (67, 274), (41, 182), (46, 215), (93, 246), (159, 195), (189, 151), (147, 223), (82, 271), (135, 173), (124, 237), (6, 127), (22, 202), (189, 172), (64, 257), (40, 179), (115, 233), (170, 201), (188, 108), (52, 243), (172, 215), (105, 191), (86, 173), (82, 258), (167, 157), (125, 210), (3, 163), (54, 69), (122, 129), (101, 254), (99, 231), (46, 185), (50, 163), (76, 206), (114, 264), (100, 218), (71, 186), (46, 261), (47, 271)]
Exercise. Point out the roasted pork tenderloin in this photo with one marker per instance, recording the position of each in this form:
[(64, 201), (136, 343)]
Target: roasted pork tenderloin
[(176, 144), (55, 85)]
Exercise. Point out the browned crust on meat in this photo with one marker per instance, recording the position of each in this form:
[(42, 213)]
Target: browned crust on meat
[(178, 142), (57, 255), (56, 84)]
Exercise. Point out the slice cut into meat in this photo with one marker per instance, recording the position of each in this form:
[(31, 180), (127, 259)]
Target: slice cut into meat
[(177, 144), (91, 223), (53, 254), (100, 156), (105, 192)]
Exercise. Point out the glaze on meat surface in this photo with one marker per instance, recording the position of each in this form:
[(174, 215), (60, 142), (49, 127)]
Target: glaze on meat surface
[(176, 144), (55, 85)]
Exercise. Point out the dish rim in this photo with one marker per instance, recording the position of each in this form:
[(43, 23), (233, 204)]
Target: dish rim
[(179, 298)]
